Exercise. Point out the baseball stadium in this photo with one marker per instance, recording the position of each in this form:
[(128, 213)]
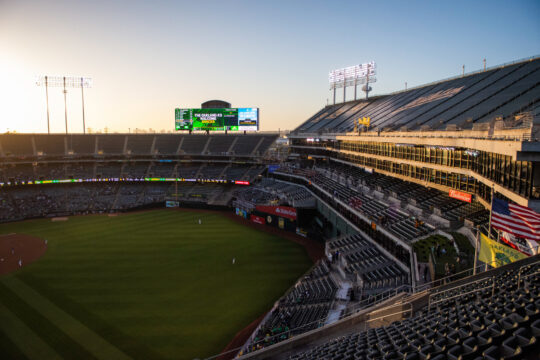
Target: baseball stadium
[(397, 225)]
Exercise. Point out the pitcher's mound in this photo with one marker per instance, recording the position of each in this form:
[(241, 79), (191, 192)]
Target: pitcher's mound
[(19, 247)]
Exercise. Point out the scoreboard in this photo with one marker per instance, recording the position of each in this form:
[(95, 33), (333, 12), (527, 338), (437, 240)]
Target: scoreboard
[(234, 119)]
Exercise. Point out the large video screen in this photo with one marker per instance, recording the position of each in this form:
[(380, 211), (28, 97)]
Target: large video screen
[(235, 119)]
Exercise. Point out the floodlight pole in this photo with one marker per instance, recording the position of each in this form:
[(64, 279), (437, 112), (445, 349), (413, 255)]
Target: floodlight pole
[(355, 87), (47, 99), (334, 94), (65, 103), (344, 88), (367, 82), (82, 93)]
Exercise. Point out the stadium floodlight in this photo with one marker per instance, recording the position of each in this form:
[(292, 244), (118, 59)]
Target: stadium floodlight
[(352, 76), (65, 82)]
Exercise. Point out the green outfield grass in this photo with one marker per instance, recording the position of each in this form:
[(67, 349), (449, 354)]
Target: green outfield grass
[(148, 285)]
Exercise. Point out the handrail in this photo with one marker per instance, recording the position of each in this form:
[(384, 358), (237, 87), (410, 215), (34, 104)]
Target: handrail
[(528, 275), (492, 286)]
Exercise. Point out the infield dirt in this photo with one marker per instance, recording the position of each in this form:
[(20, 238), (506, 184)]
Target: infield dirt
[(19, 247)]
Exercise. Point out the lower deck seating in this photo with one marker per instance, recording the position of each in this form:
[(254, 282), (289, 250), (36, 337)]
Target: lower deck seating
[(500, 320)]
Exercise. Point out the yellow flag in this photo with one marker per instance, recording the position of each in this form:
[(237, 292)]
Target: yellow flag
[(496, 254)]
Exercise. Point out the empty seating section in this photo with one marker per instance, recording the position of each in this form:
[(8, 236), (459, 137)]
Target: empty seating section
[(398, 222), (494, 318), (140, 144), (50, 144), (361, 261), (312, 122), (254, 195), (134, 144), (322, 125), (472, 88), (270, 190), (193, 144), (167, 144), (245, 144), (220, 145), (235, 172), (16, 145), (442, 201), (502, 91), (81, 144), (111, 144), (253, 172), (345, 122), (428, 199), (438, 95), (305, 307), (265, 144)]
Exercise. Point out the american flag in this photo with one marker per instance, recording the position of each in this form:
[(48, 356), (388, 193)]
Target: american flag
[(515, 219)]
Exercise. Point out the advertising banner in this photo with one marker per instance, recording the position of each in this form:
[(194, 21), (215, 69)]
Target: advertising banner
[(456, 194), (283, 211), (258, 219)]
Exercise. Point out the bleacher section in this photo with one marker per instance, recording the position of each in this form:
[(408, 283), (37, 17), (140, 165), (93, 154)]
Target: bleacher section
[(305, 307), (463, 102), (72, 145), (361, 262), (354, 261), (494, 317), (50, 144), (276, 192), (81, 144), (430, 200), (334, 176)]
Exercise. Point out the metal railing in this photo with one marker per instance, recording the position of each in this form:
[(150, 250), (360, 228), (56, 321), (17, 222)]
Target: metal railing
[(527, 275), (446, 291)]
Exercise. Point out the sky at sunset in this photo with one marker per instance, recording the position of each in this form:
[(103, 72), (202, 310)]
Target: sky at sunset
[(146, 58)]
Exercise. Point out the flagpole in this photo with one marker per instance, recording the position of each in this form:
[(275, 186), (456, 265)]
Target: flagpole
[(476, 250), (491, 209)]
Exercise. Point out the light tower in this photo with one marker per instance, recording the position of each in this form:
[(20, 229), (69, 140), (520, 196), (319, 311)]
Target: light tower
[(64, 82), (352, 76)]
